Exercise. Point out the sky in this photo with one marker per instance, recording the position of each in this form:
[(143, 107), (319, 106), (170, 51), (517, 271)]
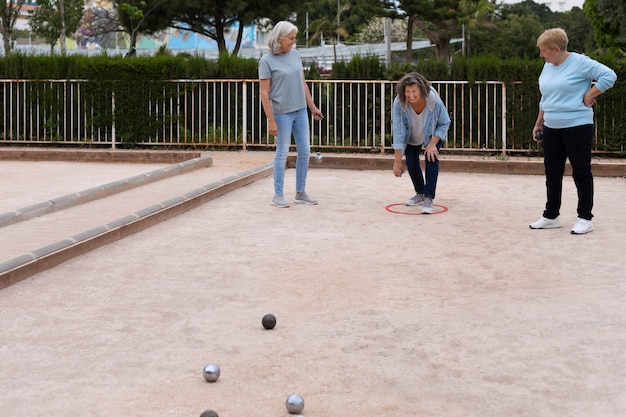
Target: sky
[(554, 5)]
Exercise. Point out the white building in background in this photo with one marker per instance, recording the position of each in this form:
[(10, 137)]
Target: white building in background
[(554, 5)]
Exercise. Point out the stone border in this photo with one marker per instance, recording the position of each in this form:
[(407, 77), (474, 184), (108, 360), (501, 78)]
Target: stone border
[(452, 164), (97, 155), (101, 191), (25, 266)]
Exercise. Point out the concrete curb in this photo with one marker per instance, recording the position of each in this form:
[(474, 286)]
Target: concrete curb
[(101, 191), (450, 164), (96, 155), (27, 265)]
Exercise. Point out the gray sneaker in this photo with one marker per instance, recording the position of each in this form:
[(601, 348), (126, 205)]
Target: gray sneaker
[(304, 198), (279, 201), (416, 200), (428, 206)]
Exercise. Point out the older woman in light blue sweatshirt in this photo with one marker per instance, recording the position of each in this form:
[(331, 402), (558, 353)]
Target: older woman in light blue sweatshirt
[(420, 120), (565, 124)]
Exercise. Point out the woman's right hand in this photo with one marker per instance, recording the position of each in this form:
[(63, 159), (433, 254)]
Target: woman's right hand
[(397, 168), (273, 129)]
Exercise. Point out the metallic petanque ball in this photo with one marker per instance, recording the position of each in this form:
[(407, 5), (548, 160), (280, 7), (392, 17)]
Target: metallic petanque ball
[(269, 321), (539, 135), (211, 372), (318, 158), (209, 413), (294, 404)]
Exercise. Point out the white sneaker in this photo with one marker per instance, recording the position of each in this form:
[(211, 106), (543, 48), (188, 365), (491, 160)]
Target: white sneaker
[(544, 223), (582, 226)]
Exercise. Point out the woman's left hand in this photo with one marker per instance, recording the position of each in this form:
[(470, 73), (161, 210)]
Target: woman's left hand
[(588, 100), (317, 114), (431, 153)]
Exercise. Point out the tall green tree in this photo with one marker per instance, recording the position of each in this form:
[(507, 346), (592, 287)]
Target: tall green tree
[(54, 19), (353, 16), (542, 12), (441, 20), (9, 12), (608, 19), (511, 31), (332, 27), (215, 19), (138, 17), (579, 30)]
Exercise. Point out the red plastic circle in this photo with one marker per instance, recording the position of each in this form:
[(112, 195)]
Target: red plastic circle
[(390, 209)]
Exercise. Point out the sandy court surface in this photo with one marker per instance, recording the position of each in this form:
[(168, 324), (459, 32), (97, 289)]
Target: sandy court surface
[(464, 313)]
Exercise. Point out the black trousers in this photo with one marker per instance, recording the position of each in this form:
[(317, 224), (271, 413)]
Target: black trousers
[(572, 143)]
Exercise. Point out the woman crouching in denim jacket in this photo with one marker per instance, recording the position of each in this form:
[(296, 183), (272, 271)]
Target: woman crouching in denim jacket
[(420, 119)]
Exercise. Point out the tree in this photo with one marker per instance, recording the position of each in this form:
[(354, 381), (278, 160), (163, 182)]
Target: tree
[(440, 20), (140, 16), (608, 19), (9, 12), (352, 18), (53, 19), (528, 7), (579, 30), (99, 26), (214, 19), (373, 32), (332, 27)]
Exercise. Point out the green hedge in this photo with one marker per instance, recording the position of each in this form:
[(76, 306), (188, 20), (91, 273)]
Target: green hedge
[(130, 81), (139, 69), (167, 67)]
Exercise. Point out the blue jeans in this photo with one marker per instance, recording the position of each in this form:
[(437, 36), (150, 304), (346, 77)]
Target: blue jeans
[(296, 122), (575, 144), (428, 187)]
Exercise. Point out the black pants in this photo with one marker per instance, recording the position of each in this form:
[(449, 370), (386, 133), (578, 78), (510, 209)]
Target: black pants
[(572, 143)]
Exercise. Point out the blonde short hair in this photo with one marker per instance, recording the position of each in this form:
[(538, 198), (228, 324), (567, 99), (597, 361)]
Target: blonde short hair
[(282, 29), (553, 38)]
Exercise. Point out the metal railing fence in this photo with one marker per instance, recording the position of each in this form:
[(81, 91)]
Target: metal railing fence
[(486, 116)]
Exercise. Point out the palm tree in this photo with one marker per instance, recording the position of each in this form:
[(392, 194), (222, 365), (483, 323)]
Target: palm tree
[(333, 26)]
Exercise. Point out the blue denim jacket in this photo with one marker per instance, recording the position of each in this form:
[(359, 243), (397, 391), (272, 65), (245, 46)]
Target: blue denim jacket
[(436, 122)]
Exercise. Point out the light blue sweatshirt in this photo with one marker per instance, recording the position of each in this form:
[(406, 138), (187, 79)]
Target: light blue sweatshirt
[(563, 87)]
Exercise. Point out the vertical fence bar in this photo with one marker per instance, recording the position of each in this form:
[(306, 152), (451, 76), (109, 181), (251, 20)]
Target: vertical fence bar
[(244, 115), (113, 137), (503, 119)]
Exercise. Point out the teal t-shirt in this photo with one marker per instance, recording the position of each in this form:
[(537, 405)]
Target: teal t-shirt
[(286, 86)]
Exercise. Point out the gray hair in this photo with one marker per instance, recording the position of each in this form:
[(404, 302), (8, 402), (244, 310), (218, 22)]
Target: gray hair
[(282, 29), (412, 78)]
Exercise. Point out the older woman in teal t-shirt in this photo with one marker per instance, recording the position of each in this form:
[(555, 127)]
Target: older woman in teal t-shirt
[(285, 97)]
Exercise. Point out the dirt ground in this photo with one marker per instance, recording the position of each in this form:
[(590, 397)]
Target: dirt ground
[(464, 313)]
